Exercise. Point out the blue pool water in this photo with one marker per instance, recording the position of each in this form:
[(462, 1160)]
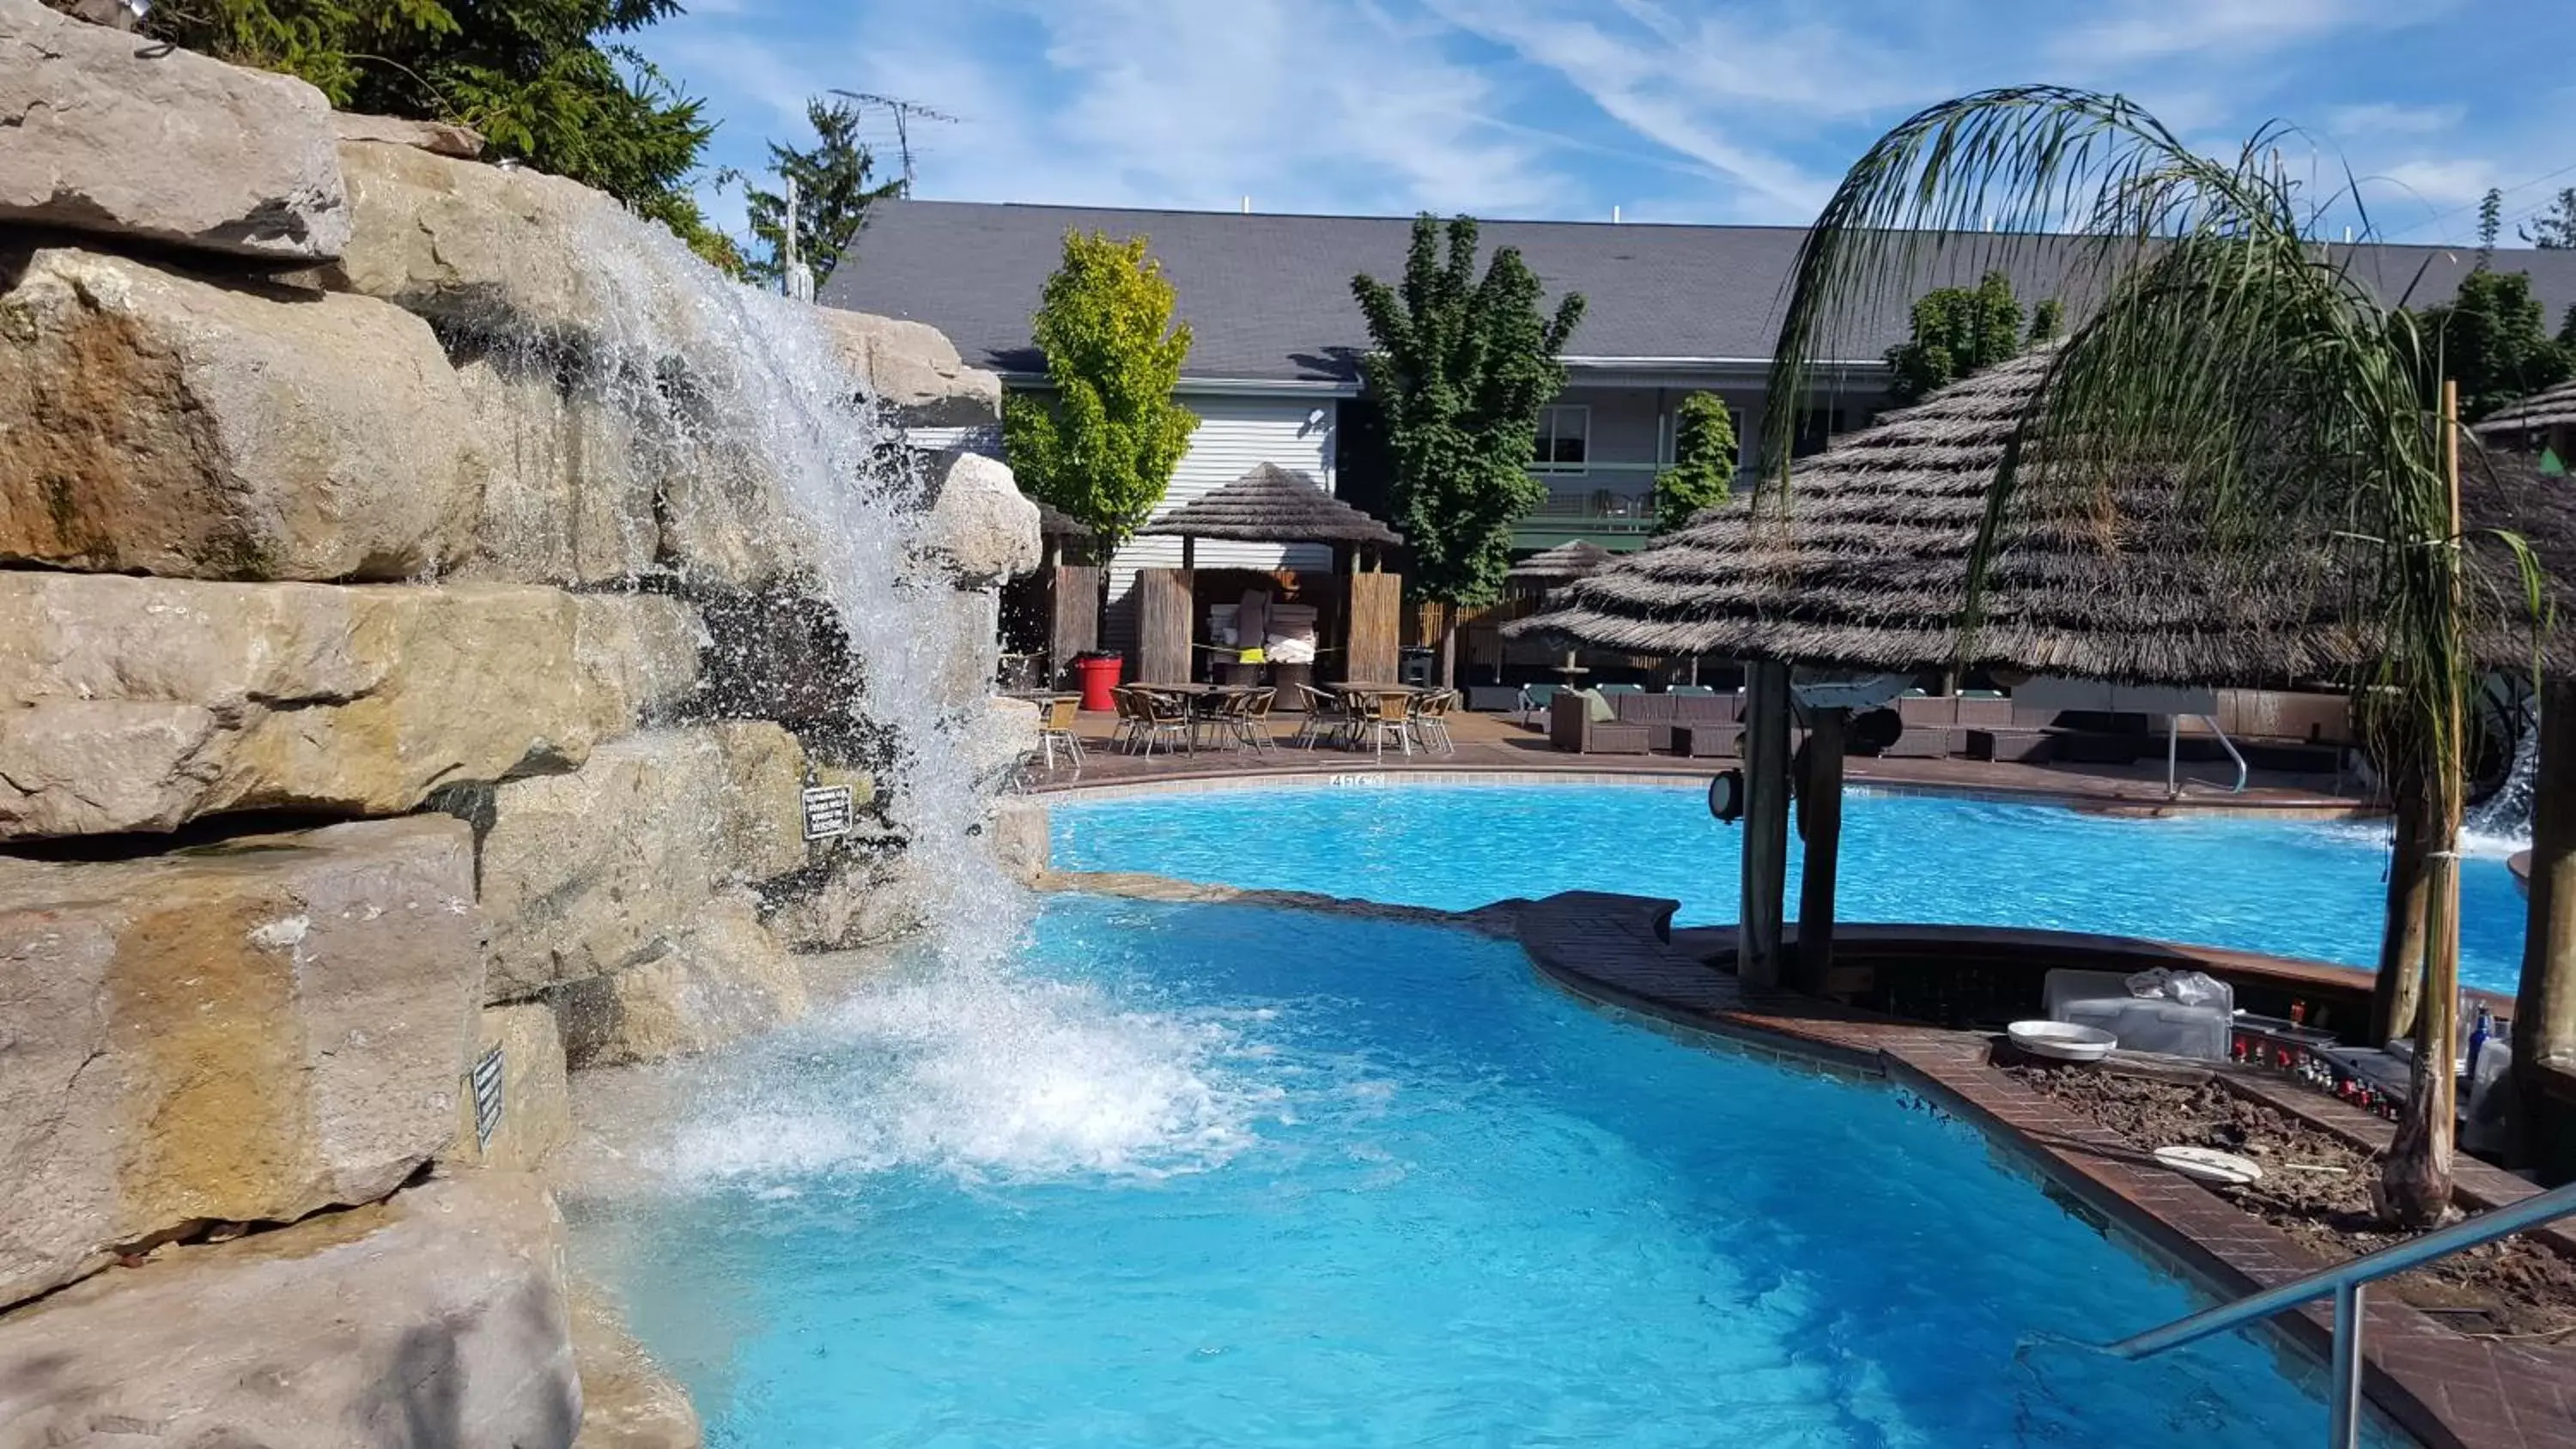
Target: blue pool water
[(2313, 890), (1221, 1176)]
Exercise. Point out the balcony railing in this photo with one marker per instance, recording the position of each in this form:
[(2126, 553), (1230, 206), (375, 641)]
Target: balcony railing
[(1605, 503)]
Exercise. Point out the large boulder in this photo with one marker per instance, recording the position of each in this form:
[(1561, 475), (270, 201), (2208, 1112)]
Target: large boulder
[(172, 426), (627, 1400), (108, 135), (444, 138), (569, 492), (517, 1106), (139, 704), (235, 1033), (435, 1318), (494, 251), (982, 529), (912, 369), (718, 980), (588, 873), (1018, 834)]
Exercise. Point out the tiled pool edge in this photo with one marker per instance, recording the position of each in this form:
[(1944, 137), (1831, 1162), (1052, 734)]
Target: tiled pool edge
[(2447, 1390), (1362, 776)]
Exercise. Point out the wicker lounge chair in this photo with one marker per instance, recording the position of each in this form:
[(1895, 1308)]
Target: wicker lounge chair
[(1570, 726)]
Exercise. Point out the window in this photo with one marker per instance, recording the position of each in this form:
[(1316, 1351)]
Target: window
[(1564, 439)]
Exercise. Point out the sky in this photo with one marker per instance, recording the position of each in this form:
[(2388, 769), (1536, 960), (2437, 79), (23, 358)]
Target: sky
[(1669, 110)]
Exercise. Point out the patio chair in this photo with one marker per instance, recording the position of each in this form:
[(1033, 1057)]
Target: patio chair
[(1223, 719), (1251, 720), (1431, 720), (1131, 718), (1384, 716), (1057, 728), (1535, 698), (1324, 717), (1164, 718)]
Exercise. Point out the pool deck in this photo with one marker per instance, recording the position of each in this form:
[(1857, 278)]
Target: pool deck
[(1499, 745), (2447, 1389)]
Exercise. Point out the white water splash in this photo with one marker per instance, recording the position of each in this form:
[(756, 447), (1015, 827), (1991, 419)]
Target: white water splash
[(2501, 825), (986, 1073)]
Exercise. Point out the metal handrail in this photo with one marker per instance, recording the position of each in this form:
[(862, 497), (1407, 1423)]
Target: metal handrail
[(2345, 1281)]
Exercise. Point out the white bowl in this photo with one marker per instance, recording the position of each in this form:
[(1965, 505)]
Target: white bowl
[(2210, 1165), (2063, 1040)]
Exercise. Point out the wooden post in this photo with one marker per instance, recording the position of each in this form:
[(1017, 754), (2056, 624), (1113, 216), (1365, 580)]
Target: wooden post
[(1766, 823), (1189, 552), (2544, 1006), (1163, 626), (1820, 825)]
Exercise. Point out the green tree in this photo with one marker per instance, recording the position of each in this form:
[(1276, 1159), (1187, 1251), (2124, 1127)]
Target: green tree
[(1460, 368), (2490, 224), (1703, 470), (2553, 228), (2250, 369), (1957, 331), (833, 194), (1103, 446), (2489, 338), (543, 80)]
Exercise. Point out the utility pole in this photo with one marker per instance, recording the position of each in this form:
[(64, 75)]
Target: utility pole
[(903, 111)]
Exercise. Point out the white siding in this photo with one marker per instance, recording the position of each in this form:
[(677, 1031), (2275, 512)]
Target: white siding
[(1234, 433)]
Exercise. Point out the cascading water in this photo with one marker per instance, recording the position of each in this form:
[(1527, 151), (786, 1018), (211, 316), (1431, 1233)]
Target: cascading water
[(744, 396), (2502, 821), (979, 1067)]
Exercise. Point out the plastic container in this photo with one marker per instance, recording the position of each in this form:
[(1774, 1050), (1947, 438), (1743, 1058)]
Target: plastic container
[(1099, 675)]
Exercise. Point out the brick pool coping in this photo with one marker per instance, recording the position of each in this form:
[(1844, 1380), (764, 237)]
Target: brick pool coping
[(2448, 1390)]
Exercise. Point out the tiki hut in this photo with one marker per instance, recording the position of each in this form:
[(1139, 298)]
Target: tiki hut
[(1271, 504), (2533, 417)]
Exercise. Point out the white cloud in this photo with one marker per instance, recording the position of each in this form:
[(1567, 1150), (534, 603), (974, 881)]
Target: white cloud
[(2148, 30), (2380, 118)]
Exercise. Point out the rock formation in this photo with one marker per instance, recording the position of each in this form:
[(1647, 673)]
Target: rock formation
[(410, 678)]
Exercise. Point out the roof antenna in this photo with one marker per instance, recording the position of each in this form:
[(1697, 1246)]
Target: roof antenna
[(904, 111)]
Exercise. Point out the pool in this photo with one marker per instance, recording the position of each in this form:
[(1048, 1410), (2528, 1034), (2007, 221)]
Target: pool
[(2291, 888), (1217, 1175)]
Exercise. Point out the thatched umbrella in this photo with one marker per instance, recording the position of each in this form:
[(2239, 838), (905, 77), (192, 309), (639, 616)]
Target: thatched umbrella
[(1866, 567), (1559, 565), (2534, 415), (1271, 504)]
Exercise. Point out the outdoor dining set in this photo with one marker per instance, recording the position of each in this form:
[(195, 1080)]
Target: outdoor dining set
[(1186, 718)]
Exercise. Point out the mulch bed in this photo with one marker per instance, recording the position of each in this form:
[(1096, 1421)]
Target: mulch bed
[(2316, 1188)]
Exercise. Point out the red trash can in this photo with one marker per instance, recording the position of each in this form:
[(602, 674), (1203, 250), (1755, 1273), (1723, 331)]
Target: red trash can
[(1099, 675)]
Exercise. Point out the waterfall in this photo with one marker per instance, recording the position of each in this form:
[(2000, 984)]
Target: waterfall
[(2502, 822), (743, 396)]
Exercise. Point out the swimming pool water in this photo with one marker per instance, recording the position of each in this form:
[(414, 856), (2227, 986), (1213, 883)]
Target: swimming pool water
[(2306, 889), (1222, 1176)]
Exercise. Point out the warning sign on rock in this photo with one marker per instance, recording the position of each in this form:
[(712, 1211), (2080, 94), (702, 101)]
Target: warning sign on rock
[(827, 811)]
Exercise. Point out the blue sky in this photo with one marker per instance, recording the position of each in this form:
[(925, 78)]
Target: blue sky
[(1672, 110)]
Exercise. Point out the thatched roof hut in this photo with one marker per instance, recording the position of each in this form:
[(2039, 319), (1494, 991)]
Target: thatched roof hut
[(1272, 504), (1562, 564), (1054, 522), (1866, 567)]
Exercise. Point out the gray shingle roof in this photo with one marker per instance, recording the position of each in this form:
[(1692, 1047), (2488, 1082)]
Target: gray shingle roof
[(1269, 296)]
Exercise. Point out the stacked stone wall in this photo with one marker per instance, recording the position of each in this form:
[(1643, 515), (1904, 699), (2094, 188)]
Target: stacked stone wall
[(389, 722)]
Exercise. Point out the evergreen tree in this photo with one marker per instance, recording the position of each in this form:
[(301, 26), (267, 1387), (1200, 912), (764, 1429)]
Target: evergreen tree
[(2554, 228), (1703, 470), (2490, 224), (543, 80), (1957, 331), (2490, 338), (1460, 368), (833, 194), (1103, 447)]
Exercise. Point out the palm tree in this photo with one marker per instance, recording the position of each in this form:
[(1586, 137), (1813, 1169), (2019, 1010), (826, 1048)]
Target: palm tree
[(2230, 354)]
